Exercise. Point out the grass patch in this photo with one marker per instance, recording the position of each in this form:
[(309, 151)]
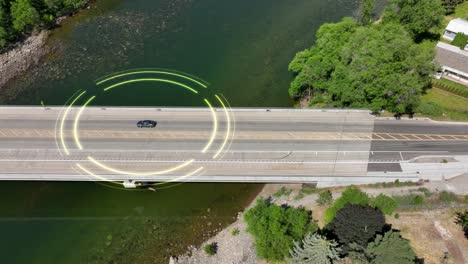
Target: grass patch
[(211, 249), (424, 190), (235, 231), (309, 190), (282, 191), (394, 184), (452, 107), (461, 11), (410, 199), (299, 196), (448, 197)]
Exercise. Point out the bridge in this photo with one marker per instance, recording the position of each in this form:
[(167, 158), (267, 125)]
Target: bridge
[(328, 147)]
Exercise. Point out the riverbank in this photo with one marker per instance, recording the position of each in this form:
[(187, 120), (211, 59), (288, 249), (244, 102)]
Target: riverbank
[(19, 57), (235, 245), (25, 55)]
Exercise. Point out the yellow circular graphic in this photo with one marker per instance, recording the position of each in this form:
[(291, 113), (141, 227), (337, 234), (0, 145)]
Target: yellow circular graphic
[(79, 102)]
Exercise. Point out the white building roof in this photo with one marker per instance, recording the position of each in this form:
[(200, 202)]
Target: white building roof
[(458, 25)]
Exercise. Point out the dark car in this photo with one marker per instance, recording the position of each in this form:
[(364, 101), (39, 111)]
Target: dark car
[(146, 123)]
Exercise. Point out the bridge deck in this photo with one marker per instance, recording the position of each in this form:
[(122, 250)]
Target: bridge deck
[(259, 146)]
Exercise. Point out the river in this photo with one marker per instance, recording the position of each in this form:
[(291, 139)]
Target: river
[(242, 48)]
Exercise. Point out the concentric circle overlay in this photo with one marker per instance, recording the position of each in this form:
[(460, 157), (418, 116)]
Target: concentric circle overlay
[(103, 171)]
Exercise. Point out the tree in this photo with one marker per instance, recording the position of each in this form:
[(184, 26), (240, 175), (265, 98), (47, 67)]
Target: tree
[(462, 220), (366, 12), (3, 25), (351, 195), (450, 5), (417, 16), (325, 198), (390, 248), (385, 203), (3, 37), (357, 224), (274, 228), (24, 15), (377, 67), (315, 249), (313, 67), (381, 68)]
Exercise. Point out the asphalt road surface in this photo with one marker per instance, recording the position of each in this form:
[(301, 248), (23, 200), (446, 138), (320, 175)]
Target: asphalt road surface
[(255, 143)]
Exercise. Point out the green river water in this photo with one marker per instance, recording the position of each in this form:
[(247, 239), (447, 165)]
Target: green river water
[(242, 48)]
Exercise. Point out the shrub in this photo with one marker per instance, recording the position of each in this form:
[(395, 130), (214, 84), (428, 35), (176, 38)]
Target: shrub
[(235, 231), (397, 215), (460, 40), (447, 197), (211, 249), (325, 198), (385, 203), (274, 228), (351, 195), (418, 200), (462, 220), (315, 249)]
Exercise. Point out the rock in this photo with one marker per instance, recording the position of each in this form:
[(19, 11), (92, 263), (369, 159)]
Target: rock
[(22, 57), (173, 260)]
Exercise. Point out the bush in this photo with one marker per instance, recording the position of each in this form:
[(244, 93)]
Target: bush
[(325, 198), (235, 231), (385, 203), (351, 195), (447, 197), (211, 249), (274, 228), (418, 200), (451, 86), (460, 40), (461, 219), (397, 215), (410, 199), (429, 108)]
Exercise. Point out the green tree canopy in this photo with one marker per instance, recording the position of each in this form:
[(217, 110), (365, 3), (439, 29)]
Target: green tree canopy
[(382, 69), (462, 220), (390, 248), (417, 16), (377, 67), (315, 249), (313, 67), (366, 10), (351, 195), (357, 224), (385, 203), (24, 15), (274, 228)]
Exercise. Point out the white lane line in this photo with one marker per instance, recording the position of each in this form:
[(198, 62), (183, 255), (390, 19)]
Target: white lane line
[(234, 151), (401, 156), (213, 161)]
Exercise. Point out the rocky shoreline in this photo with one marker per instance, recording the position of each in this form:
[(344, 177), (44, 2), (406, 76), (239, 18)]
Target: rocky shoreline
[(235, 249), (23, 56)]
